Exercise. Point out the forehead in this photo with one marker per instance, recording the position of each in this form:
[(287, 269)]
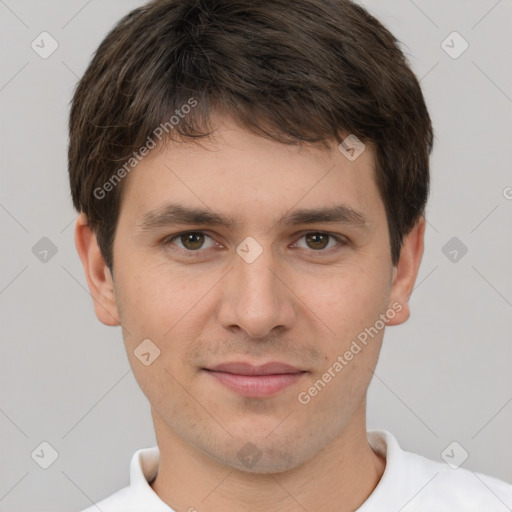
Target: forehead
[(240, 177)]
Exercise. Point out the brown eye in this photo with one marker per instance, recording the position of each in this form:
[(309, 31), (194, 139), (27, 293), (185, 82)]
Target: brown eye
[(191, 241), (317, 240), (321, 242)]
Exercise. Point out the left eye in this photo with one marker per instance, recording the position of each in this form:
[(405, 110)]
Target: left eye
[(319, 241)]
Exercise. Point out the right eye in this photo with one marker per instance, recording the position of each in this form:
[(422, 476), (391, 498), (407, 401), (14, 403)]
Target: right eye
[(191, 241)]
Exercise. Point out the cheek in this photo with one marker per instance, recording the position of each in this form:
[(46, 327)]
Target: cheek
[(352, 304), (349, 299), (166, 307), (154, 307), (156, 298)]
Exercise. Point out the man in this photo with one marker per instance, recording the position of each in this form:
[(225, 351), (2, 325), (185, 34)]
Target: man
[(251, 179)]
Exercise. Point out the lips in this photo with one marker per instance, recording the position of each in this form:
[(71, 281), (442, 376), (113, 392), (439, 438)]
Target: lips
[(272, 368), (255, 381)]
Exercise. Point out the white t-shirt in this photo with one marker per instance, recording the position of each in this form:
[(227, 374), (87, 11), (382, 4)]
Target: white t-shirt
[(409, 483)]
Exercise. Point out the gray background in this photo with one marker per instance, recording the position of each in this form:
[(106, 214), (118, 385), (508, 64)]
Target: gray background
[(443, 376)]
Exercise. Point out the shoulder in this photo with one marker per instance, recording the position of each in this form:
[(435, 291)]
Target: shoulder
[(129, 499), (138, 496), (419, 484), (120, 500), (447, 488)]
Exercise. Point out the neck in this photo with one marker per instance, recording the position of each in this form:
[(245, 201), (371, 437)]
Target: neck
[(338, 479)]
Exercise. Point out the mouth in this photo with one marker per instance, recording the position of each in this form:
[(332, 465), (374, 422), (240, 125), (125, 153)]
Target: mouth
[(255, 381)]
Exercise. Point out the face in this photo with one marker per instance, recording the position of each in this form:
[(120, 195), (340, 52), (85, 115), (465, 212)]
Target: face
[(259, 321)]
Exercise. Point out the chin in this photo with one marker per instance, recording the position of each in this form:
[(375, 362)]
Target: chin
[(260, 455)]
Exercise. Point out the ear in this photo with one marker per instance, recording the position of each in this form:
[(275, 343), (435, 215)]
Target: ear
[(99, 278), (406, 271)]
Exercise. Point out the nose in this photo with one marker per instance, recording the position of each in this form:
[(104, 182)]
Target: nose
[(257, 297)]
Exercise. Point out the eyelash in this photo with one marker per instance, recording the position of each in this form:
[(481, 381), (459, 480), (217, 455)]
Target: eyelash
[(342, 241)]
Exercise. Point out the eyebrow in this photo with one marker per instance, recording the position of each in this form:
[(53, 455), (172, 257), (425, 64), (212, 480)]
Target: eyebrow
[(175, 213)]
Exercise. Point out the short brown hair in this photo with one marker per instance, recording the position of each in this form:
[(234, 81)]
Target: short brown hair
[(307, 71)]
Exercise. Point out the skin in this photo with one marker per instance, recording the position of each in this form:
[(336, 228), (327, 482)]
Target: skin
[(299, 302)]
